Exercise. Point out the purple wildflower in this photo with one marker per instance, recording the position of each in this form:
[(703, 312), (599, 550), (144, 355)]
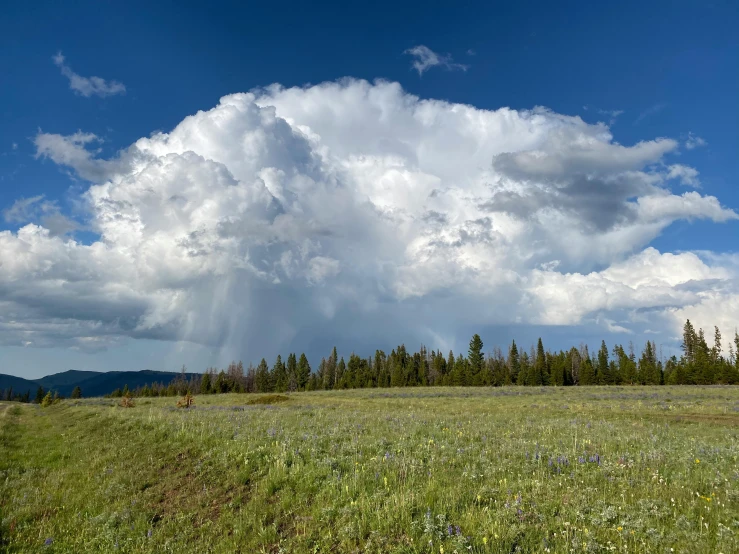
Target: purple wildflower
[(48, 541)]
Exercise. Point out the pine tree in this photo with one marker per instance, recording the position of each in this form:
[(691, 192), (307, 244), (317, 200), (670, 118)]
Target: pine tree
[(626, 364), (460, 374), (303, 372), (587, 372), (475, 358), (558, 370), (449, 369), (397, 377), (205, 384), (703, 372), (381, 368), (76, 392), (540, 376), (262, 382), (292, 372), (48, 400), (423, 367), (524, 373), (649, 372), (330, 370), (341, 381), (279, 375), (603, 374), (39, 394), (352, 378), (689, 342), (514, 363), (669, 369), (716, 350)]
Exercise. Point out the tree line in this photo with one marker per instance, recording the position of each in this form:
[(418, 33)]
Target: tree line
[(699, 364), (9, 395)]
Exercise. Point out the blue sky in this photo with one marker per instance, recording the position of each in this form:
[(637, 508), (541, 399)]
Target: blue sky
[(646, 70)]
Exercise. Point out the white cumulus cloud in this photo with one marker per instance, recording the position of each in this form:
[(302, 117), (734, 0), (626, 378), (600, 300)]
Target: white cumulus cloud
[(353, 209)]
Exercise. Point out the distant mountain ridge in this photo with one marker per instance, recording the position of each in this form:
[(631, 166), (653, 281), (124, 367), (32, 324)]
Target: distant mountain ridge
[(92, 383), (66, 378), (18, 384)]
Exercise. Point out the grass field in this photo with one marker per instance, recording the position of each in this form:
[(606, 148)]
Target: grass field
[(403, 470)]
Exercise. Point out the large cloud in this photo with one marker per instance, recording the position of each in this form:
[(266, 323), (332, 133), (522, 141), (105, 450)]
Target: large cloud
[(350, 209)]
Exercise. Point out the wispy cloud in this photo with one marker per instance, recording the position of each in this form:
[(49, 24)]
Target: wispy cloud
[(21, 209), (45, 212), (88, 86), (650, 112), (694, 141), (612, 114), (425, 59), (15, 146)]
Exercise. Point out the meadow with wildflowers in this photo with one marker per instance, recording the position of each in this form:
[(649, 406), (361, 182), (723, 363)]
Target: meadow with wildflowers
[(412, 470)]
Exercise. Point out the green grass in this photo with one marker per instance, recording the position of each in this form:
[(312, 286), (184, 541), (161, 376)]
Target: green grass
[(377, 471)]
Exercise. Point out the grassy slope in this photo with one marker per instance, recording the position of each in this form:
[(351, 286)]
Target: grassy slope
[(377, 471)]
